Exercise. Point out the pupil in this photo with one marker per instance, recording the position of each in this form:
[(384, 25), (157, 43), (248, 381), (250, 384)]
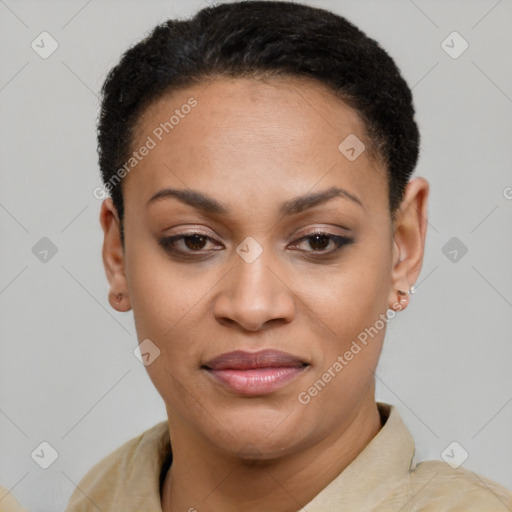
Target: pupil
[(315, 239), (192, 241)]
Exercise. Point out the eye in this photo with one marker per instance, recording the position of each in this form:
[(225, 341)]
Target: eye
[(187, 243), (320, 241)]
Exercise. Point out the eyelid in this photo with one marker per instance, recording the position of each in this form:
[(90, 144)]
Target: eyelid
[(196, 229), (325, 228)]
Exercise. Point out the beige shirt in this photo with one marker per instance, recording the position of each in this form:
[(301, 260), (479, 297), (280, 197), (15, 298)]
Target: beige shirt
[(8, 502), (383, 478)]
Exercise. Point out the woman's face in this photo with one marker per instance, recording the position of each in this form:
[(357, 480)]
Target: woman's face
[(216, 276)]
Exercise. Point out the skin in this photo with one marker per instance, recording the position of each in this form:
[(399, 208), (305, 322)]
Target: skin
[(253, 144)]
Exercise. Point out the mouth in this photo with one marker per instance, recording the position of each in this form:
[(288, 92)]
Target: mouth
[(254, 373)]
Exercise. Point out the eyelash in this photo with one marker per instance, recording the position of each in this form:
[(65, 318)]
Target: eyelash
[(168, 243)]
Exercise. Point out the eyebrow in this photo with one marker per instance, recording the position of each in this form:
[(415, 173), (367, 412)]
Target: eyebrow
[(294, 206)]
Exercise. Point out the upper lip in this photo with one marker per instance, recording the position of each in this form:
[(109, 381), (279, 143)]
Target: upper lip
[(241, 360)]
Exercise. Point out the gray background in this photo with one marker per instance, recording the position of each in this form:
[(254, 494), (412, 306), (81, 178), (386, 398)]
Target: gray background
[(68, 375)]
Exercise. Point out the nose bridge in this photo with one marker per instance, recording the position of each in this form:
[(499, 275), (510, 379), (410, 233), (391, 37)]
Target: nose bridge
[(251, 270), (253, 286), (252, 293), (254, 276)]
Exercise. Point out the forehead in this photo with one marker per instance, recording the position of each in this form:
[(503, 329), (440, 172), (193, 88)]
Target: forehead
[(259, 137)]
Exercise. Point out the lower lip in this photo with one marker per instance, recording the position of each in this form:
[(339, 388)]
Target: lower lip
[(256, 381)]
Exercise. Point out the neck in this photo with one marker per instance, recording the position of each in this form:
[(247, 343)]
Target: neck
[(202, 478)]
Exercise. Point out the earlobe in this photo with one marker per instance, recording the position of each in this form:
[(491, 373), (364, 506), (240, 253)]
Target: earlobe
[(113, 257), (120, 301), (399, 294)]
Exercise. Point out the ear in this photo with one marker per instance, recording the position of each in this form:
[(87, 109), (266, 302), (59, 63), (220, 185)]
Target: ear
[(409, 233), (113, 257)]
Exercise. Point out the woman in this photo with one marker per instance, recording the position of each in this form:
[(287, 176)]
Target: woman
[(264, 229)]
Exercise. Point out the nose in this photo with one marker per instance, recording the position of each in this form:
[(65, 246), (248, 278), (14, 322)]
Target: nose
[(254, 295)]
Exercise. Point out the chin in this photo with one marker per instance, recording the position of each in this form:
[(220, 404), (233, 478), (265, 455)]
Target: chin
[(260, 436)]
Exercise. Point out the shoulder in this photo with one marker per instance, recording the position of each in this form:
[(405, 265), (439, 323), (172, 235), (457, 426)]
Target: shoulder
[(435, 483), (130, 470)]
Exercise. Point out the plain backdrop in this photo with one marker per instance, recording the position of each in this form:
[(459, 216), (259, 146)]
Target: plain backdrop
[(68, 375)]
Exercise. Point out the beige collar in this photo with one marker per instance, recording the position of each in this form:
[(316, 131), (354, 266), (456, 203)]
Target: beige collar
[(385, 461)]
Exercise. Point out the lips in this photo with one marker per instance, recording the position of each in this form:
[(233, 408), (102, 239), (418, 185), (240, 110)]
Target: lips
[(240, 360), (254, 373)]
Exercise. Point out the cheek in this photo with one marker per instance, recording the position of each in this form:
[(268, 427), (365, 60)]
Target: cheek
[(352, 306), (163, 294), (168, 313), (351, 297), (166, 308), (344, 374)]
